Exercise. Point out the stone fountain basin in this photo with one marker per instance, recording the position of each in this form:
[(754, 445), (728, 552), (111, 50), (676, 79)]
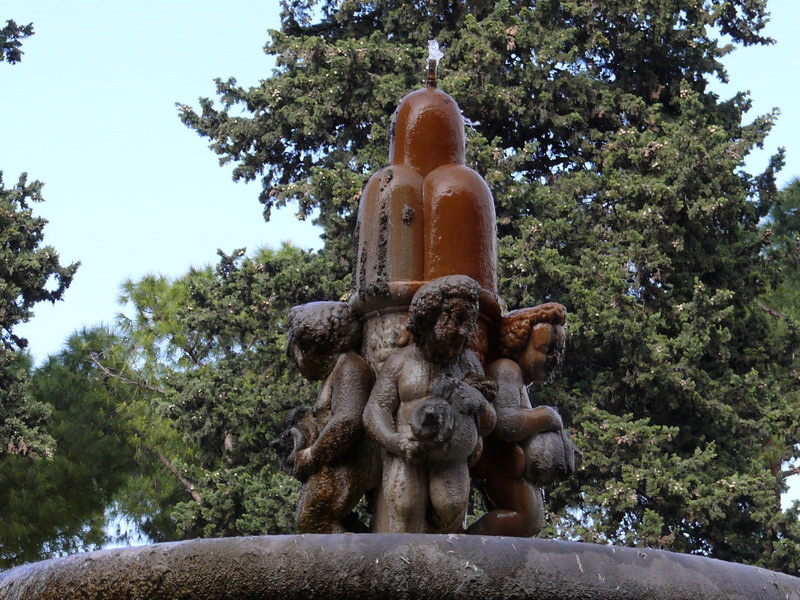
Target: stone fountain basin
[(389, 566)]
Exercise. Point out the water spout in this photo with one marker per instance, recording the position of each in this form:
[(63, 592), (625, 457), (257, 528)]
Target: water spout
[(434, 56)]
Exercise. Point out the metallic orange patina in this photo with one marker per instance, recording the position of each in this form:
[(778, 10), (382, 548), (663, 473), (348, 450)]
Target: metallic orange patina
[(459, 226), (427, 214), (428, 131), (390, 230)]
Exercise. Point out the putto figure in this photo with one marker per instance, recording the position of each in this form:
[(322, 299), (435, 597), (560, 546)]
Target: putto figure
[(331, 454), (528, 447), (426, 416)]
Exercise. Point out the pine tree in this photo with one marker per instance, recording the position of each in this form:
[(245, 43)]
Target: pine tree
[(620, 191), (213, 343), (115, 459), (56, 506), (165, 420), (783, 226)]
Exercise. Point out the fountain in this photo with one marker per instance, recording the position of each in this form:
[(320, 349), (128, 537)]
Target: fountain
[(424, 393), (425, 318)]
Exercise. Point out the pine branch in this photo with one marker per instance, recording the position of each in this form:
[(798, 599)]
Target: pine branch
[(188, 485), (109, 373)]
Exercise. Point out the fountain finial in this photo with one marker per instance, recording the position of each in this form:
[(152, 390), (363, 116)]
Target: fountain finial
[(434, 56)]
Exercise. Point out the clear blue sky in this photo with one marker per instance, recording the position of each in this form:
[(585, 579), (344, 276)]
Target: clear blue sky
[(129, 190)]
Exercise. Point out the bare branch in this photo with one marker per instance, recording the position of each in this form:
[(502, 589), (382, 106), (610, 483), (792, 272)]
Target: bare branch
[(227, 445), (770, 311), (188, 485), (791, 471), (109, 373)]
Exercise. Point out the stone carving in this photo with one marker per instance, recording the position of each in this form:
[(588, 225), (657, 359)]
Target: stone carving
[(329, 451), (527, 448), (425, 295), (299, 433), (426, 416)]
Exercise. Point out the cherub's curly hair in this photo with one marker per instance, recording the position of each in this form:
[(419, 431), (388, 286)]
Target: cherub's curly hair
[(328, 325), (516, 326), (427, 302)]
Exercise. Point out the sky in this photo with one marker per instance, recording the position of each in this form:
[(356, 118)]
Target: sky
[(129, 190)]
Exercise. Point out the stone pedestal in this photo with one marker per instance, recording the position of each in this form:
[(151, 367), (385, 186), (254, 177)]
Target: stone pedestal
[(392, 566)]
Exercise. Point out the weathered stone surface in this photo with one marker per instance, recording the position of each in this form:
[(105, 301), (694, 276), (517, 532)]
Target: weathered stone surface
[(426, 416), (330, 453), (390, 566)]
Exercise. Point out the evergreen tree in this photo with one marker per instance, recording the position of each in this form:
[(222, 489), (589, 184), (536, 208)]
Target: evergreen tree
[(782, 302), (29, 273), (221, 335), (164, 422), (11, 36), (55, 506), (783, 226), (620, 191), (114, 458)]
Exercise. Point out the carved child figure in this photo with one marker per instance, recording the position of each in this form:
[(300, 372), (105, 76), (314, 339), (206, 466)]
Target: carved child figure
[(339, 464), (425, 417), (527, 448)]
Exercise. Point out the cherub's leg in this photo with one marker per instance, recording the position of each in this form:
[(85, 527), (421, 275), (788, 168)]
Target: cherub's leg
[(522, 512), (315, 511), (405, 493), (380, 513), (449, 490), (519, 505), (331, 494), (352, 482)]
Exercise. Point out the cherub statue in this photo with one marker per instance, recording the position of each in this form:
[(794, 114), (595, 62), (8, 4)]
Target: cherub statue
[(528, 447), (330, 452), (426, 416)]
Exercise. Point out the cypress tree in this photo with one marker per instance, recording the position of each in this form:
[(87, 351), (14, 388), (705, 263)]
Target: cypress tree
[(620, 191)]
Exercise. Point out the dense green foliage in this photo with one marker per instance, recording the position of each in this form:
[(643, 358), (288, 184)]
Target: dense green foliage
[(58, 505), (108, 461), (222, 336), (784, 227), (30, 273)]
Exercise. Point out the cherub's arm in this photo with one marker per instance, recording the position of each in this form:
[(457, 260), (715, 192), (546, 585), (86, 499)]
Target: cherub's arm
[(379, 414), (470, 363), (549, 312), (350, 381), (485, 418), (516, 421)]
